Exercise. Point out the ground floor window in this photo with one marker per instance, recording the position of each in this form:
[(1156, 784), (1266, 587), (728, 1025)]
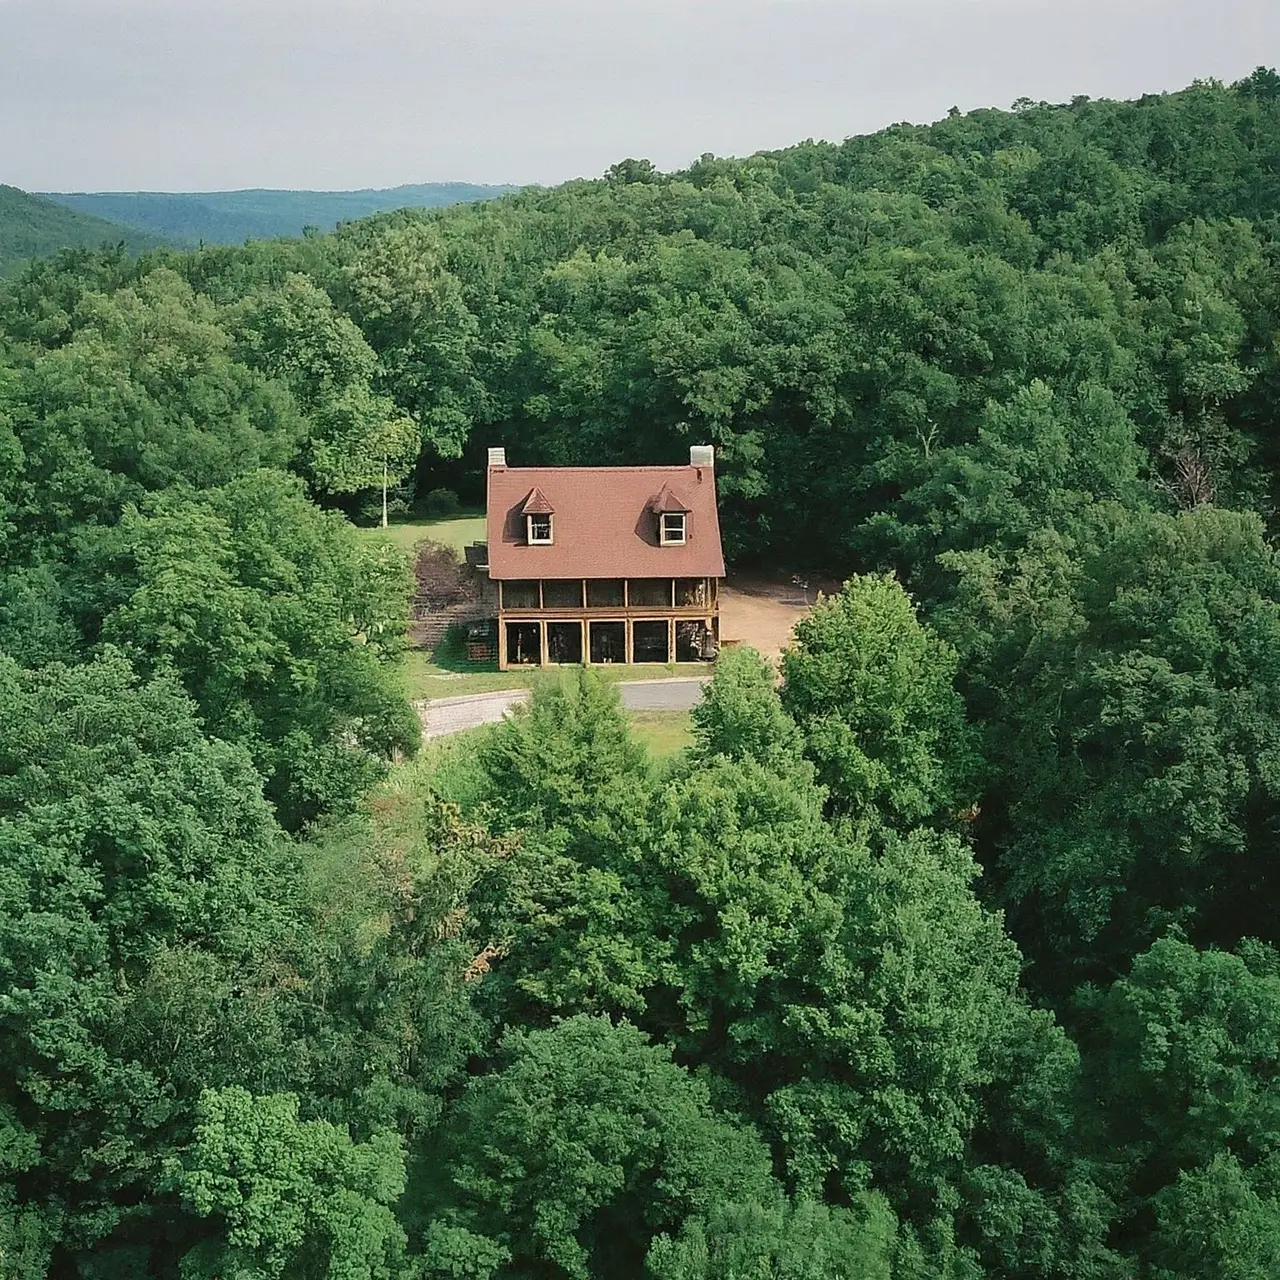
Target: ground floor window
[(694, 642), (524, 644), (564, 642), (608, 642), (650, 642)]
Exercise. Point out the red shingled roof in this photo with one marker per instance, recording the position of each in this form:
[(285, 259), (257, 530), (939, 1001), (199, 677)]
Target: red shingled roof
[(605, 523)]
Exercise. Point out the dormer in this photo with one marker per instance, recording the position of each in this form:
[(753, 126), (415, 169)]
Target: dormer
[(673, 518), (539, 519)]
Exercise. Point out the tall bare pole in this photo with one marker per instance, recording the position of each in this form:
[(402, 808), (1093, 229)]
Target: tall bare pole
[(384, 490)]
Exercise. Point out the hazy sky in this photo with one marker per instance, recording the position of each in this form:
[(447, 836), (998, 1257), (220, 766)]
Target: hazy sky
[(214, 94)]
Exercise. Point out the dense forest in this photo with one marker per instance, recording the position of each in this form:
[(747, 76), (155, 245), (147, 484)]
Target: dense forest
[(955, 954), (33, 227)]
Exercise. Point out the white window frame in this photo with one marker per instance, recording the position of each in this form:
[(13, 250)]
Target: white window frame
[(668, 539), (551, 529)]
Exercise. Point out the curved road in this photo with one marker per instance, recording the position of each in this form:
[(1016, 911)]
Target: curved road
[(443, 716)]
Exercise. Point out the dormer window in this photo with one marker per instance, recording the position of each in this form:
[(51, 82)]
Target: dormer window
[(537, 512), (673, 516), (673, 529)]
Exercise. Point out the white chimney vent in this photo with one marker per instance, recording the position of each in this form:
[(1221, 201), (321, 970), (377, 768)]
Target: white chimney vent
[(702, 455), (497, 458)]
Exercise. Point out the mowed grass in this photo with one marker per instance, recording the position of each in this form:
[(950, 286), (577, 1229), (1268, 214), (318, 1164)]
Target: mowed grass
[(458, 532), (425, 679), (664, 733)]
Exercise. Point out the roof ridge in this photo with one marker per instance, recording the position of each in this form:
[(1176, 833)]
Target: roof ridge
[(680, 466)]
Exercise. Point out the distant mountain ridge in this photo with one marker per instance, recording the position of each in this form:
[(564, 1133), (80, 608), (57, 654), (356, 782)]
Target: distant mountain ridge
[(231, 217), (33, 227)]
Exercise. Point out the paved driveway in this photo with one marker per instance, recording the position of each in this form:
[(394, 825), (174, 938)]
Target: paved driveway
[(443, 716)]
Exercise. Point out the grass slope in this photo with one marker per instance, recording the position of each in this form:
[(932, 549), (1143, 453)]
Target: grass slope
[(457, 532), (231, 217), (33, 227)]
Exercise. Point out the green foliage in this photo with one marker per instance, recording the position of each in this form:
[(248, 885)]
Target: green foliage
[(1214, 1223), (33, 227), (570, 906), (1040, 461), (897, 1028), (853, 996), (356, 436), (586, 1142), (171, 965), (751, 1012), (1135, 733), (872, 690), (297, 1197), (440, 504), (779, 1241), (740, 716), (1181, 1063), (411, 309), (280, 621), (568, 757), (142, 393), (146, 919)]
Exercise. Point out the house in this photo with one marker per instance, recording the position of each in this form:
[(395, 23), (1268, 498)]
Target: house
[(604, 564)]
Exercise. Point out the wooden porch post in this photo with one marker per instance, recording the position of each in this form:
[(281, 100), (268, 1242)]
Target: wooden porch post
[(502, 642), (628, 643), (671, 639), (542, 644)]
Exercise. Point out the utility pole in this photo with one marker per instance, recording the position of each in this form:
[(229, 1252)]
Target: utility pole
[(384, 490)]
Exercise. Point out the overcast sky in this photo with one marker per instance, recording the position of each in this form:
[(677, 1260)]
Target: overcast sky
[(213, 94)]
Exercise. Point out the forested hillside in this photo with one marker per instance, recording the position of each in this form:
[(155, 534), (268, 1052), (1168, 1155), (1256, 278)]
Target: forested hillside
[(33, 227), (231, 217), (956, 955)]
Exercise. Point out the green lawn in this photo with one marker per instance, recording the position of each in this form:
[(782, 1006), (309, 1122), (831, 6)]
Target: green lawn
[(662, 732), (427, 679), (457, 532)]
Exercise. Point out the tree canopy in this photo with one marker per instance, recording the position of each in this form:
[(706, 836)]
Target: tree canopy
[(947, 949)]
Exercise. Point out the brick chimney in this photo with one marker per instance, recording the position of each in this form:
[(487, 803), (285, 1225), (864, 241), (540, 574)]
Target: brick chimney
[(497, 459), (700, 455)]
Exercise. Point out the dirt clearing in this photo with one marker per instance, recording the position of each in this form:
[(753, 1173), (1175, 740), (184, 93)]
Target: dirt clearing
[(762, 612)]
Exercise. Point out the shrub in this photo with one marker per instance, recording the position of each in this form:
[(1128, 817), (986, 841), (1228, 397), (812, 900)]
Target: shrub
[(440, 503)]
